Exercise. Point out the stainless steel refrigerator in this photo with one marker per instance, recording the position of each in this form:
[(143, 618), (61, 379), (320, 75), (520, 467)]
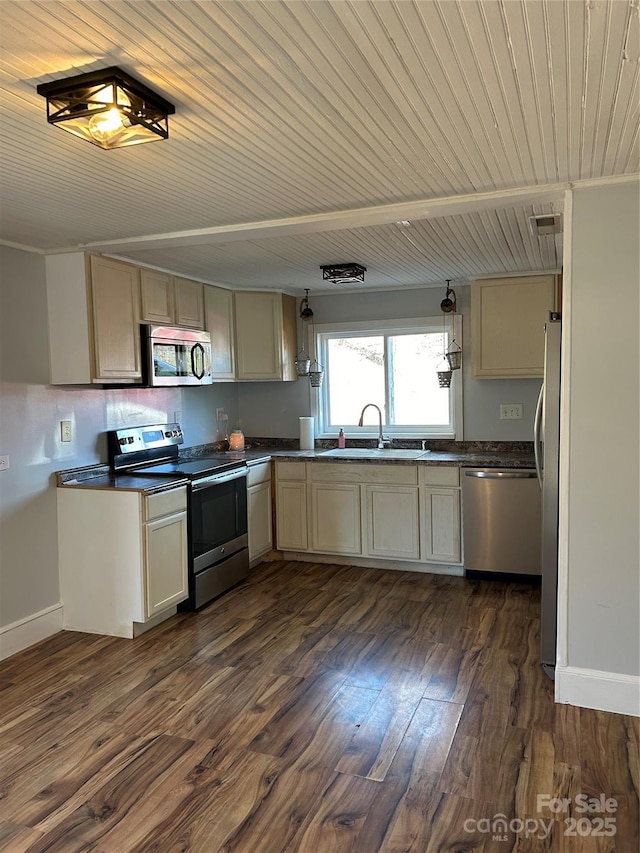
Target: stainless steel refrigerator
[(547, 452)]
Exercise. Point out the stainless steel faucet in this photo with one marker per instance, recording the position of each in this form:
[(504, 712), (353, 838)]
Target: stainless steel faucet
[(381, 439)]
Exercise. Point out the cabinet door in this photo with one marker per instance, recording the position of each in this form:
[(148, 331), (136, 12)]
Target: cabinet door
[(165, 562), (189, 296), (258, 335), (335, 518), (156, 297), (392, 522), (291, 515), (115, 298), (441, 525), (218, 306), (259, 513), (508, 325)]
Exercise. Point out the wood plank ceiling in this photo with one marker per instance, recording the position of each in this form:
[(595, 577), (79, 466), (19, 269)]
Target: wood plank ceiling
[(305, 132)]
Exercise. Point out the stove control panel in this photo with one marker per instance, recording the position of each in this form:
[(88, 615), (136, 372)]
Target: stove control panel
[(135, 439)]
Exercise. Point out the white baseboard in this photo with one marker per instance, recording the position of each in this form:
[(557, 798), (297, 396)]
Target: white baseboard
[(369, 563), (30, 630), (605, 691)]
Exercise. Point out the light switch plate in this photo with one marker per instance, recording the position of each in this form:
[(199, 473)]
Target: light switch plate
[(511, 411)]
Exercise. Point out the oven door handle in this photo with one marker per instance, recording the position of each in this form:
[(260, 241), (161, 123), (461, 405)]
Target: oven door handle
[(208, 482)]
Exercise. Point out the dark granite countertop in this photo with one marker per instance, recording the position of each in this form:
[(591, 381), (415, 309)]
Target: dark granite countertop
[(99, 477), (462, 459), (462, 455)]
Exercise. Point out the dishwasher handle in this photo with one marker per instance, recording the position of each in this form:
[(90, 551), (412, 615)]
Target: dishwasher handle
[(502, 475)]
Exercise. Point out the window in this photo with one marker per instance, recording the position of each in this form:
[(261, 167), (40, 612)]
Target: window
[(394, 365)]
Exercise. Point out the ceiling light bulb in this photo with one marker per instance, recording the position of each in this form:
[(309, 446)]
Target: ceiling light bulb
[(106, 122)]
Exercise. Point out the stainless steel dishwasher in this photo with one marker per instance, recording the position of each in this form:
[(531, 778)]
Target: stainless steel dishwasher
[(501, 520)]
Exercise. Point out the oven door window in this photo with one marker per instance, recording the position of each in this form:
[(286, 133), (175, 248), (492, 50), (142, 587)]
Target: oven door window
[(219, 515)]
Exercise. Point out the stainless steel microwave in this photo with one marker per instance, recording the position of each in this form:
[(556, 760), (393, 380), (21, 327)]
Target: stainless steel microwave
[(174, 356)]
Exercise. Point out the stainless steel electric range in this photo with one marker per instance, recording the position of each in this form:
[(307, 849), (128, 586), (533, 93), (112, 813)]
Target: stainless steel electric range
[(217, 503)]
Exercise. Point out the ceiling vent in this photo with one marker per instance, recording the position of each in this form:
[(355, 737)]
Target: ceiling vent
[(544, 224)]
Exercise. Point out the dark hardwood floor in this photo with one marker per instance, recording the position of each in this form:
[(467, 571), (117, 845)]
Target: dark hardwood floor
[(317, 709)]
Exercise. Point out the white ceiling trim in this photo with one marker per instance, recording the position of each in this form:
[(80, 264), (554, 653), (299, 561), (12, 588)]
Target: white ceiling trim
[(337, 220)]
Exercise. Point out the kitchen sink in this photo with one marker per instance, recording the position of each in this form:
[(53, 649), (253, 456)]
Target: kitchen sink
[(374, 453)]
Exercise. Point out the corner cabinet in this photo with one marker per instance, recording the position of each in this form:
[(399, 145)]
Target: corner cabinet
[(265, 326), (219, 321), (508, 317), (93, 307), (123, 558), (259, 511)]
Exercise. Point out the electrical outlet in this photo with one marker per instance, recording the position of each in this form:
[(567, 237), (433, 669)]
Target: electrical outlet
[(65, 431), (511, 411), (219, 415), (4, 463), (177, 416)]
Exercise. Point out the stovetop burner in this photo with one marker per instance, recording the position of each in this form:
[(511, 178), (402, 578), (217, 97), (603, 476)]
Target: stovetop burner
[(203, 466)]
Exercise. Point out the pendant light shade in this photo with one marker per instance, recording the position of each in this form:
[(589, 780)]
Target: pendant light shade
[(108, 108)]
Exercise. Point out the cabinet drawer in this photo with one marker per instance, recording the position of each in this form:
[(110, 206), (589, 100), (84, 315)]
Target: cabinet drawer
[(291, 470), (260, 473), (401, 475), (436, 476), (165, 503)]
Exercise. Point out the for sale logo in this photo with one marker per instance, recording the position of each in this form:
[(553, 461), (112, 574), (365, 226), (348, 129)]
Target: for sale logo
[(594, 818)]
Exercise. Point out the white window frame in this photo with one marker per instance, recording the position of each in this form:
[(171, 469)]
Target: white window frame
[(413, 325)]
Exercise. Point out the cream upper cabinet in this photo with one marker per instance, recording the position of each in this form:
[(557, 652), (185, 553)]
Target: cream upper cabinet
[(171, 301), (265, 336), (508, 316), (189, 296), (157, 297), (116, 320), (93, 307), (219, 322)]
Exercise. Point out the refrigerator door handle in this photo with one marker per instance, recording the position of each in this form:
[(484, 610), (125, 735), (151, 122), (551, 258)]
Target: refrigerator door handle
[(537, 435)]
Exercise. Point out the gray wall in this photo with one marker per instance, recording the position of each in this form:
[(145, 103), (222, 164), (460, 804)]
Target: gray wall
[(604, 430), (30, 412), (273, 409)]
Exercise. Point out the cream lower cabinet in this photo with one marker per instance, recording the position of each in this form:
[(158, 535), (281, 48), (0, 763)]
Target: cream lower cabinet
[(335, 518), (291, 506), (122, 557), (389, 512), (440, 516), (259, 512), (165, 552), (392, 514)]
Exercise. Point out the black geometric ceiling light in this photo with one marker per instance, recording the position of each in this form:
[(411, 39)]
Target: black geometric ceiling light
[(108, 108), (343, 273)]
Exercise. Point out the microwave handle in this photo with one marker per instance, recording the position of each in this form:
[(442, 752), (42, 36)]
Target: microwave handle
[(197, 348)]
